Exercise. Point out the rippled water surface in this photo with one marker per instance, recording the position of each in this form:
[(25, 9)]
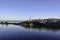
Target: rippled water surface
[(15, 32)]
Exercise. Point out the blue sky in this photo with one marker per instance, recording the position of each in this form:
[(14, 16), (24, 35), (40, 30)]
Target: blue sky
[(23, 9)]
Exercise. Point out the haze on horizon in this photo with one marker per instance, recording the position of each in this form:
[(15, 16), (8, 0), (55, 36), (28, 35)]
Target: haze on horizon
[(23, 9)]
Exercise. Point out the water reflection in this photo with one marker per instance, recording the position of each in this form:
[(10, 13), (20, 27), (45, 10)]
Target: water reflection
[(39, 28), (18, 32)]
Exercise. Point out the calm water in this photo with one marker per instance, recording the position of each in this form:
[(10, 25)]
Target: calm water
[(15, 32)]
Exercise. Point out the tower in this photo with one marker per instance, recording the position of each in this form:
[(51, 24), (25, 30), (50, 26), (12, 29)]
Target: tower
[(30, 19)]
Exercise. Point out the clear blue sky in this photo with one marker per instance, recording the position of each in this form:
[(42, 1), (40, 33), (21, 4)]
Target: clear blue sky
[(20, 9)]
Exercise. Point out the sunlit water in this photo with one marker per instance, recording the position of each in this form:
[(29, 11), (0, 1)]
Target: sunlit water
[(15, 32)]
